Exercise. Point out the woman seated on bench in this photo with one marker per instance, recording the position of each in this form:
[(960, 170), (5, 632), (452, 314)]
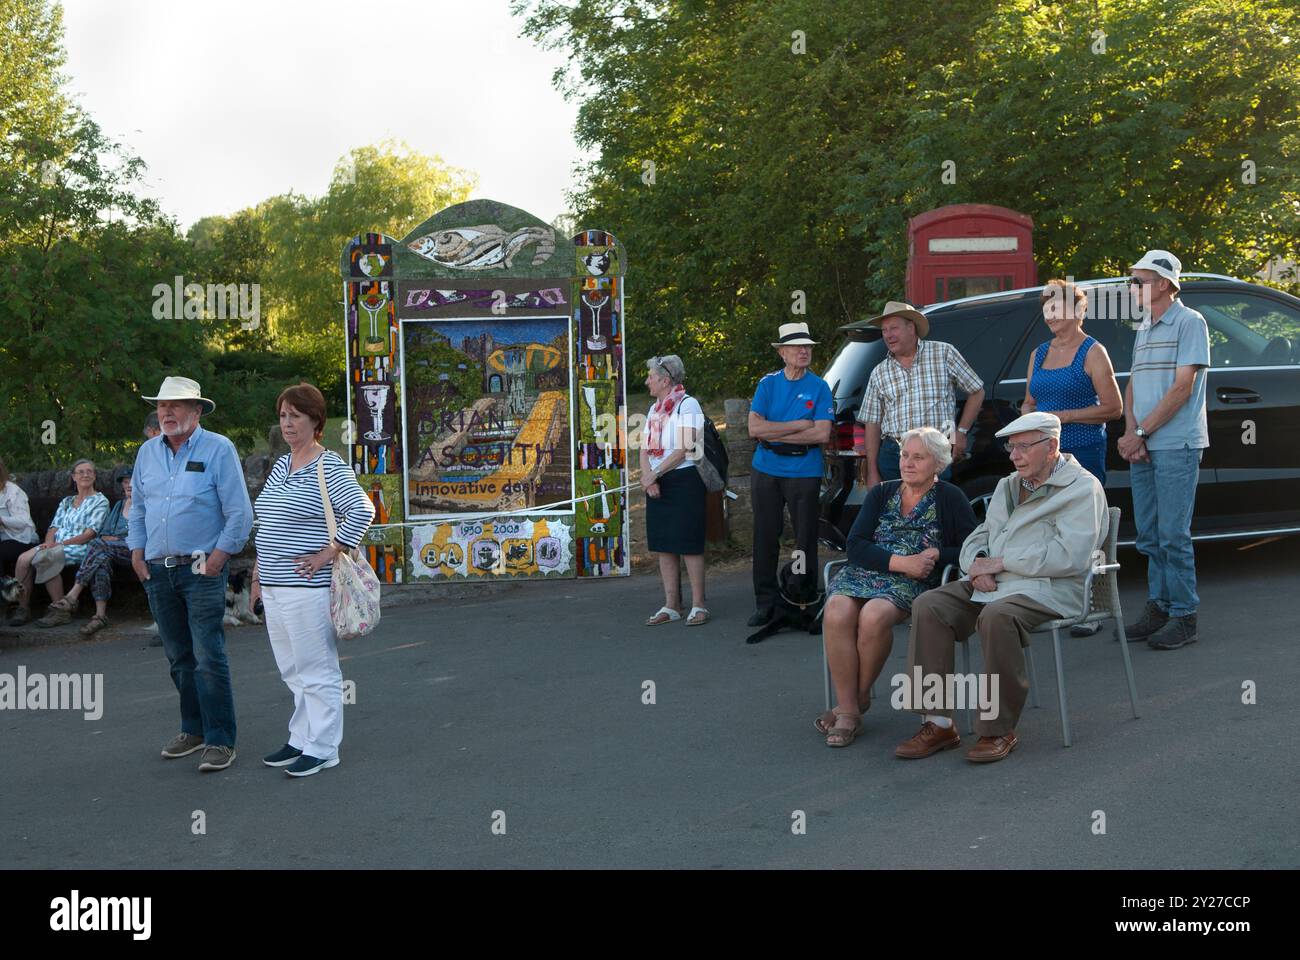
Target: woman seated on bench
[(17, 532), (97, 567), (73, 526), (905, 533)]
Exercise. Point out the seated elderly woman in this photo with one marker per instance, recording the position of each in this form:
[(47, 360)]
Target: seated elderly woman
[(906, 532), (96, 570), (75, 524)]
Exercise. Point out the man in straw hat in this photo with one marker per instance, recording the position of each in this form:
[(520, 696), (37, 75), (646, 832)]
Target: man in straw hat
[(1165, 437), (1024, 565), (910, 388), (190, 514), (790, 418)]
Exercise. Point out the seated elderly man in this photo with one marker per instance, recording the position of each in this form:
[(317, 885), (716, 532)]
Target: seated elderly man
[(1024, 565)]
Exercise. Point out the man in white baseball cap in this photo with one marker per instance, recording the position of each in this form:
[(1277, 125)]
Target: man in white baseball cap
[(1166, 435), (790, 417), (1024, 565), (190, 512)]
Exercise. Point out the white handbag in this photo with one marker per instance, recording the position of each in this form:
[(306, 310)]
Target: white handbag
[(354, 586)]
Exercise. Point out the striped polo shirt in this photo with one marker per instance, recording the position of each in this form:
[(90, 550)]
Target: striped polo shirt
[(291, 519), (1180, 338)]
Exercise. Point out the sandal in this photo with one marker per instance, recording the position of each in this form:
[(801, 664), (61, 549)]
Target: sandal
[(95, 623), (842, 736), (698, 616), (826, 719), (663, 615)]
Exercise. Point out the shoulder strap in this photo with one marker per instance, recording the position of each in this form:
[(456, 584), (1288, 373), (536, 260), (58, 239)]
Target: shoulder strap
[(324, 495), (1081, 355), (1040, 353)]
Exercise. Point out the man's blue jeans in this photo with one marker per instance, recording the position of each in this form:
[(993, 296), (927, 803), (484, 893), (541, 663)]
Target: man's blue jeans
[(190, 608), (1164, 493)]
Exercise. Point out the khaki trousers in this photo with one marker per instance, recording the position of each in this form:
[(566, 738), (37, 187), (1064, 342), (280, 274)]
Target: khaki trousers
[(945, 615)]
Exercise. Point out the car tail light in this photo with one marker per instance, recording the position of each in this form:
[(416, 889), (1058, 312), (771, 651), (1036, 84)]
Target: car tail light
[(848, 435)]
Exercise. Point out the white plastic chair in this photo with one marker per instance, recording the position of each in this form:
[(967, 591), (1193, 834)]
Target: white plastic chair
[(1100, 603)]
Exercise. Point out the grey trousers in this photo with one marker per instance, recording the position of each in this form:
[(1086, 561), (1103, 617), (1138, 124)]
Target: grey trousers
[(947, 614)]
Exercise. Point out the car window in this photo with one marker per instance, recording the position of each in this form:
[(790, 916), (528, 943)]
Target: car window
[(985, 334), (1108, 323), (1247, 330), (847, 373)]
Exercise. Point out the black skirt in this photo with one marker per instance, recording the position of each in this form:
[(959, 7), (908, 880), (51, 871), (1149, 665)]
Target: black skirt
[(674, 520)]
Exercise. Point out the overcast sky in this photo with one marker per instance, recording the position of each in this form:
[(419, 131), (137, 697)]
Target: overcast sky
[(233, 101)]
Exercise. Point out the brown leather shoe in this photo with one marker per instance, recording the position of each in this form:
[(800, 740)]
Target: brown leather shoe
[(990, 749), (930, 739)]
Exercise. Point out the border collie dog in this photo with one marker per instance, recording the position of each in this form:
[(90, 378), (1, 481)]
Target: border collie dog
[(239, 591), (11, 590)]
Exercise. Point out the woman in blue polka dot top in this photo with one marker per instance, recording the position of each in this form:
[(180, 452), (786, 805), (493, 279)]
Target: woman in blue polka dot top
[(1071, 376)]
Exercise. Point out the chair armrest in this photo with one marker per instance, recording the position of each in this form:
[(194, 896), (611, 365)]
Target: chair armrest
[(826, 571), (950, 573), (1096, 571)]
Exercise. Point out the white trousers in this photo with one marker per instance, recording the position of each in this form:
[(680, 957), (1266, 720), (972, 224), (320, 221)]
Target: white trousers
[(306, 651)]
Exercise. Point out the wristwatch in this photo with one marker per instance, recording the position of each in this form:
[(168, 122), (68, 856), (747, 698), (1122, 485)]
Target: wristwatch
[(963, 430), (1140, 433)]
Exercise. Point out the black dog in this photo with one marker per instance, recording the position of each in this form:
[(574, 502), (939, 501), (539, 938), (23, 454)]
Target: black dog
[(799, 606)]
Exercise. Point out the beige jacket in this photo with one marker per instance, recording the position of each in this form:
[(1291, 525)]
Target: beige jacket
[(1046, 543)]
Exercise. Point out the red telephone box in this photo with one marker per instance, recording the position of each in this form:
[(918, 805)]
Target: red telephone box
[(967, 249)]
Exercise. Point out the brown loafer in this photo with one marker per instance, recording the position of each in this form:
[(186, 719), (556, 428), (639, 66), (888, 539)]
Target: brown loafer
[(990, 749), (930, 739)]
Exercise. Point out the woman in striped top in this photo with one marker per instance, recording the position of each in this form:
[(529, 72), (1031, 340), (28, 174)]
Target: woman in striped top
[(295, 561)]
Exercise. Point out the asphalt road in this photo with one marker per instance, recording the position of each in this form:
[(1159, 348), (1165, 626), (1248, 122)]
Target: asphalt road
[(529, 702)]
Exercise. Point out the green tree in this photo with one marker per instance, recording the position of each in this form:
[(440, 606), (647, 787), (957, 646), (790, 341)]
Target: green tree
[(301, 284), (792, 140), (1118, 125)]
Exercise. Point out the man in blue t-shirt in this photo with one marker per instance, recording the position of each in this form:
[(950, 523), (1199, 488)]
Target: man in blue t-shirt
[(790, 418)]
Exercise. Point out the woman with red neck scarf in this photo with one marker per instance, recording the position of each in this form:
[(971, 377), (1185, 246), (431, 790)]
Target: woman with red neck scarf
[(675, 493)]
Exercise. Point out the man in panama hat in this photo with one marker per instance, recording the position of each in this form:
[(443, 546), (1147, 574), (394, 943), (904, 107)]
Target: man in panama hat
[(190, 513), (790, 418), (912, 387)]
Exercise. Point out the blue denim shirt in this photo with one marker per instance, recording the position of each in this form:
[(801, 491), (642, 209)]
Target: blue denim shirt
[(193, 499)]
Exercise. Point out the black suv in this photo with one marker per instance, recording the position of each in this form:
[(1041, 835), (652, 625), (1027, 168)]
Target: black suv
[(1246, 489)]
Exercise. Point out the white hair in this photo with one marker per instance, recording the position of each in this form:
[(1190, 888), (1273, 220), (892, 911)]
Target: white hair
[(935, 443)]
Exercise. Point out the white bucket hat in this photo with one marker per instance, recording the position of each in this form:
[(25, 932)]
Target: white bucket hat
[(182, 388), (1163, 263), (794, 335)]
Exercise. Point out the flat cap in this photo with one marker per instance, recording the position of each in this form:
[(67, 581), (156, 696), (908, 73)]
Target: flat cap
[(1048, 423)]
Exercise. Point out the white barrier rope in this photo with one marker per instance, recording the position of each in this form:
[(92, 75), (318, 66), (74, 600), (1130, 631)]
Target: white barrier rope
[(461, 518)]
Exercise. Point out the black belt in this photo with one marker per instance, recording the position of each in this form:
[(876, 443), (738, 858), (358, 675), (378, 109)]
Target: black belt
[(786, 449), (182, 559)]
